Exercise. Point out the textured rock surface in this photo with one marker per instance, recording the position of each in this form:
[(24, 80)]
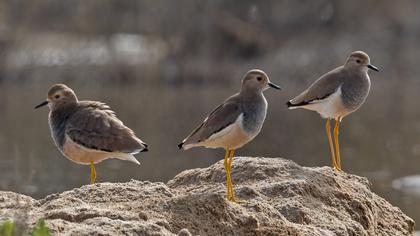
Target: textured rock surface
[(278, 197)]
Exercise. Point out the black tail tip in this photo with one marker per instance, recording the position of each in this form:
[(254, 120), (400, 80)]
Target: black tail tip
[(289, 104), (180, 145), (145, 149)]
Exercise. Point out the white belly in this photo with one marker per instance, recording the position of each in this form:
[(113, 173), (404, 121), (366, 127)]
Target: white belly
[(231, 137), (330, 107), (83, 155)]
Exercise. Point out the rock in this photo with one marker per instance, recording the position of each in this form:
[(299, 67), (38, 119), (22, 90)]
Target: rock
[(277, 197)]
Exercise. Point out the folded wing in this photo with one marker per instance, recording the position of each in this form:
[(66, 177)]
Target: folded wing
[(319, 90), (95, 126), (221, 117)]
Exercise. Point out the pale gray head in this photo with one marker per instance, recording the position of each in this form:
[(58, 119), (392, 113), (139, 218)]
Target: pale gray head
[(359, 60), (257, 80), (58, 96)]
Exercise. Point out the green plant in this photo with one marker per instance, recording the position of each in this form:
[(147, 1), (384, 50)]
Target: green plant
[(7, 228), (41, 229)]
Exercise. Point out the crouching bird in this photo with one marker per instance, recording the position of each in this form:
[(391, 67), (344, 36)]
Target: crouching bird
[(88, 132)]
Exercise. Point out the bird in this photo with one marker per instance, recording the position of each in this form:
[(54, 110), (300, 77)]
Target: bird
[(337, 94), (235, 122), (88, 132)]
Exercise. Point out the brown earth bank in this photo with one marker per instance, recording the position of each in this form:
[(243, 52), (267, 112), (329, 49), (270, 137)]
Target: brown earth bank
[(276, 197)]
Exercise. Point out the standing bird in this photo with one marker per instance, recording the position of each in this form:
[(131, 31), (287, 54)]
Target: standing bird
[(337, 94), (88, 132), (235, 122)]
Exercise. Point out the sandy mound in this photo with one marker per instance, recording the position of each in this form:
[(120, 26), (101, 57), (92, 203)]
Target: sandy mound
[(278, 197)]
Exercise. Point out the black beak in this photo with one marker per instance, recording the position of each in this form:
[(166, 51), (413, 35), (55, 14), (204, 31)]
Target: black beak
[(274, 86), (373, 67), (41, 105)]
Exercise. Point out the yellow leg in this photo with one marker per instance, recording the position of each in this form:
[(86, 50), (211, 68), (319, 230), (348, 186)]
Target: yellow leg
[(92, 173), (337, 145), (330, 142), (231, 154), (232, 196), (226, 163)]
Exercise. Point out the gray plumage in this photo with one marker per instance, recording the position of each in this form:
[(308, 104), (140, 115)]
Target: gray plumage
[(90, 124), (234, 123), (337, 94), (225, 114), (254, 113), (247, 109), (93, 125), (349, 82)]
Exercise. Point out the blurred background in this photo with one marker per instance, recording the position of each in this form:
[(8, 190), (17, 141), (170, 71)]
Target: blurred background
[(163, 65)]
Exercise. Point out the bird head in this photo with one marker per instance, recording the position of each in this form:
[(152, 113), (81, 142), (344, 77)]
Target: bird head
[(59, 95), (361, 61), (257, 80)]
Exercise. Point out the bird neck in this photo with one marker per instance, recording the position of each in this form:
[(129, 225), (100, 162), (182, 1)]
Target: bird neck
[(356, 70), (66, 107), (250, 91), (253, 96)]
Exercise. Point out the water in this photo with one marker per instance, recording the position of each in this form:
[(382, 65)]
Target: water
[(154, 75), (373, 144)]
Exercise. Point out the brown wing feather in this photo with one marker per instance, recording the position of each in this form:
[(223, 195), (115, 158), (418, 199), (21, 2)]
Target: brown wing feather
[(221, 117), (96, 126), (320, 89)]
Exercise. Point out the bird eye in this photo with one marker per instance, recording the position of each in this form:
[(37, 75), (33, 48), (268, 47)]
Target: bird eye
[(57, 96), (358, 61), (259, 78)]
